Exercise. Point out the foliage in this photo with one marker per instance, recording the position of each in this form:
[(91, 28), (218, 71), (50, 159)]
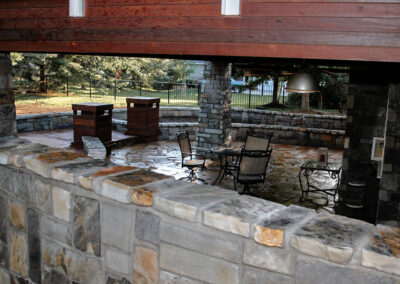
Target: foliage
[(100, 71)]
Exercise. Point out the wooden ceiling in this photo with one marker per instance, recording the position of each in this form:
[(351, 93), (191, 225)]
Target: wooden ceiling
[(360, 30)]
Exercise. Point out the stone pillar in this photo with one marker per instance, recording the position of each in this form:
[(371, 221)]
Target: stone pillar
[(7, 106), (366, 117), (215, 107), (389, 194)]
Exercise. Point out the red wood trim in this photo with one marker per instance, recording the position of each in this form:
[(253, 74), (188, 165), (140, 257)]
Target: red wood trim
[(383, 54), (321, 1), (116, 11), (212, 23), (210, 10), (195, 36), (320, 9)]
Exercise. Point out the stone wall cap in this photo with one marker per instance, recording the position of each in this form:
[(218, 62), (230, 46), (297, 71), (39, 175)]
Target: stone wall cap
[(189, 203), (275, 231), (383, 250), (239, 214), (331, 237)]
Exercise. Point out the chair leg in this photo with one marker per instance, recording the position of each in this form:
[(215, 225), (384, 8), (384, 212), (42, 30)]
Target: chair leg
[(192, 176), (242, 190)]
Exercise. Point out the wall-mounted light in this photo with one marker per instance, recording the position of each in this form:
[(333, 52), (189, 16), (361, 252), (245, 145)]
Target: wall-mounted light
[(230, 7), (77, 8)]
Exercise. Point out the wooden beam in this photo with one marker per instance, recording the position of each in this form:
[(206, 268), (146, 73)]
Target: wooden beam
[(382, 54)]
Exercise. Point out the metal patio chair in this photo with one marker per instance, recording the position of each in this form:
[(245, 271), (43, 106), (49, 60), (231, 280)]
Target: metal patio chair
[(189, 159), (257, 141), (251, 168)]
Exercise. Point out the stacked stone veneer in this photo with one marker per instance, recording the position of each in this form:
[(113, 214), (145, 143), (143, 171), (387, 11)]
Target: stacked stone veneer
[(7, 107), (366, 118), (66, 218), (389, 194), (44, 121), (288, 128), (214, 126)]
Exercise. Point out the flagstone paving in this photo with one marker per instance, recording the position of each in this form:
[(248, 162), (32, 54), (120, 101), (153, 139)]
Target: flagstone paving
[(282, 184)]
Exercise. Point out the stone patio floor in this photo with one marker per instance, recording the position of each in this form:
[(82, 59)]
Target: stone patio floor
[(282, 184)]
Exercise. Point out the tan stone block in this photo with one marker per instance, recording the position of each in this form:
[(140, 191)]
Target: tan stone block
[(61, 203), (86, 180), (17, 215), (4, 277), (142, 197), (55, 157), (268, 237), (146, 265), (18, 253), (112, 170), (383, 251)]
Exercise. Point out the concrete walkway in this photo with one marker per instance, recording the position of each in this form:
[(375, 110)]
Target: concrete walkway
[(281, 185)]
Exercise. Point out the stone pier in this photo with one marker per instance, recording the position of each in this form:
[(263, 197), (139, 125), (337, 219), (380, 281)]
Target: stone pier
[(389, 194), (215, 107), (7, 107)]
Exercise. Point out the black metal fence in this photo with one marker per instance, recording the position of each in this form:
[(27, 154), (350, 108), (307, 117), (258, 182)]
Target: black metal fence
[(114, 89)]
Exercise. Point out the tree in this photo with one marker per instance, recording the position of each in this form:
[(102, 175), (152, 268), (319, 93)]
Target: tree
[(30, 66), (100, 70)]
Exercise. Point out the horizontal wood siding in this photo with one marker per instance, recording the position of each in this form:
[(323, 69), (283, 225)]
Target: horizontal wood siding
[(324, 29)]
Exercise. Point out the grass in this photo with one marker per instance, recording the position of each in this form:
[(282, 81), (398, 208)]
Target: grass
[(59, 101)]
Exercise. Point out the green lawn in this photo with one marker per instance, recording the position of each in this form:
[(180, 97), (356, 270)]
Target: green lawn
[(176, 97)]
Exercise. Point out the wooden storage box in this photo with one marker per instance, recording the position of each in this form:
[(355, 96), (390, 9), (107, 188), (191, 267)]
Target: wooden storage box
[(143, 117), (92, 119)]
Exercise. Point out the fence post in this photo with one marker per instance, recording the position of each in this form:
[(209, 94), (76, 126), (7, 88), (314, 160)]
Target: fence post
[(249, 96), (262, 88), (67, 86), (198, 93), (168, 92), (140, 89), (115, 89), (90, 86)]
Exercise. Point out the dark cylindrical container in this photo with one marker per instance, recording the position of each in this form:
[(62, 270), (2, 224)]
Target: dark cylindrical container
[(355, 194)]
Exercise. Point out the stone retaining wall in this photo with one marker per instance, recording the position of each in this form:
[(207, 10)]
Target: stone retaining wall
[(67, 218), (282, 134), (292, 129), (257, 116), (252, 116), (44, 121)]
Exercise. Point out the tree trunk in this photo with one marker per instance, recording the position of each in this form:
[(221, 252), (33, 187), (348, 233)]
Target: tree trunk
[(305, 102), (275, 100), (42, 83)]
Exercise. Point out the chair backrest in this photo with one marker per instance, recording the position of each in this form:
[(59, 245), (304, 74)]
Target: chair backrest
[(254, 162), (184, 144), (257, 141)]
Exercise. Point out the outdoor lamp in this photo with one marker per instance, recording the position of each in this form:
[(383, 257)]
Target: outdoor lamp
[(76, 8), (301, 82)]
